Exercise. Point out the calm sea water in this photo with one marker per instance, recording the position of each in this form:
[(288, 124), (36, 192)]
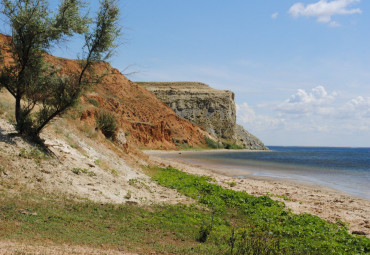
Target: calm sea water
[(346, 169)]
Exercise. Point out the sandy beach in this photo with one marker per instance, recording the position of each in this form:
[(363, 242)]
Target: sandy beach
[(301, 197)]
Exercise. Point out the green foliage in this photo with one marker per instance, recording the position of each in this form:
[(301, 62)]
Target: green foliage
[(286, 198), (163, 229), (213, 144), (224, 145), (41, 93), (303, 233), (79, 171), (107, 123), (250, 241), (231, 184), (231, 146), (93, 101), (34, 153), (128, 195), (204, 232)]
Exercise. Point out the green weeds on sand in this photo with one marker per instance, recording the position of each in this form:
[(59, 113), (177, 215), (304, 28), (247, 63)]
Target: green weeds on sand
[(221, 221), (243, 219)]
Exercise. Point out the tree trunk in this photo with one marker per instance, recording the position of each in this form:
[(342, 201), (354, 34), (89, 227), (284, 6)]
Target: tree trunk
[(18, 113)]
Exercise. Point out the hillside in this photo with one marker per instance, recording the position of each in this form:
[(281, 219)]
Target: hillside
[(146, 121)]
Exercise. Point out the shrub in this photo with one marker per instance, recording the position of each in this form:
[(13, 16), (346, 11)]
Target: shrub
[(213, 144), (224, 145), (93, 101), (107, 123), (232, 146)]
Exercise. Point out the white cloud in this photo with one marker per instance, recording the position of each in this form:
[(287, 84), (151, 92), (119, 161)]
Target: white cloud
[(317, 101), (358, 107), (324, 10), (274, 15), (310, 117), (256, 122)]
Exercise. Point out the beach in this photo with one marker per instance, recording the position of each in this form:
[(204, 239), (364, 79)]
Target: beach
[(301, 197)]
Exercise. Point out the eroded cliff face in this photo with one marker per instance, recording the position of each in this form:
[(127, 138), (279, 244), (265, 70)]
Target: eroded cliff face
[(148, 122), (212, 109)]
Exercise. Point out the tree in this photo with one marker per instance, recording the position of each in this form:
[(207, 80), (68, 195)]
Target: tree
[(41, 92)]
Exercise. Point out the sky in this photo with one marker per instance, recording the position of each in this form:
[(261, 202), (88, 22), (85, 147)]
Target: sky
[(300, 70)]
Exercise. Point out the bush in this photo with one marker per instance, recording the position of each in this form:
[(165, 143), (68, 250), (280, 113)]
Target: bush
[(232, 146), (213, 144), (224, 145), (93, 101), (107, 123)]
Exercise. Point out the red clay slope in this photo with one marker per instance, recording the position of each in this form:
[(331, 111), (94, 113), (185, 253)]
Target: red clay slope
[(149, 122)]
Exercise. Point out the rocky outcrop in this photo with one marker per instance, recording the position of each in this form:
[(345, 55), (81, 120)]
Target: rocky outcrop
[(247, 140), (212, 109)]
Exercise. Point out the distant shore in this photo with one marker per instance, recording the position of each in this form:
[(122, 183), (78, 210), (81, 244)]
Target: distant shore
[(300, 197)]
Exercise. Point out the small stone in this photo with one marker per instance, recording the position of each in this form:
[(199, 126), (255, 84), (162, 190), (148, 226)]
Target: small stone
[(361, 233), (131, 203)]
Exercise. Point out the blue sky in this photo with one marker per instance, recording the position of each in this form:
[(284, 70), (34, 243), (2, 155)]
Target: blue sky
[(300, 70)]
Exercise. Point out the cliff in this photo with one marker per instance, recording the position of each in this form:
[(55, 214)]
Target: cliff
[(212, 109), (146, 121)]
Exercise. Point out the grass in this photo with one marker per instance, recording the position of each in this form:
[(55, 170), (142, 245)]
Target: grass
[(79, 171), (296, 234), (163, 229), (93, 101), (221, 221)]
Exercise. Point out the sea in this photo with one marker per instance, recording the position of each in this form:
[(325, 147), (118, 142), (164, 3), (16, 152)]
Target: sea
[(345, 169)]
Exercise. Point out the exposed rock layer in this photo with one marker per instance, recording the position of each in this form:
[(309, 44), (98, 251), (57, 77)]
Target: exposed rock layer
[(212, 109), (148, 122)]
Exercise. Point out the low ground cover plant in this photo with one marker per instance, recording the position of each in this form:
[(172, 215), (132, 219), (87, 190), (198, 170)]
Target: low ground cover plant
[(220, 221), (295, 233)]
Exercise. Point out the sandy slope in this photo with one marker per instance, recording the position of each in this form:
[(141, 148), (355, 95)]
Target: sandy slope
[(104, 173), (326, 203)]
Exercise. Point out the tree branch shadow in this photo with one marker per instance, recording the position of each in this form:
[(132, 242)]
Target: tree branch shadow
[(10, 138)]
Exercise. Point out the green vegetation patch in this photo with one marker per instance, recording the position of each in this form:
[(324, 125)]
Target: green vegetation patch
[(222, 221), (107, 122), (161, 229), (293, 233), (213, 144), (210, 143)]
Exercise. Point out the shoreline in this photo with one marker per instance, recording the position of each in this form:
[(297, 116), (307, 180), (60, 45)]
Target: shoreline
[(301, 197)]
